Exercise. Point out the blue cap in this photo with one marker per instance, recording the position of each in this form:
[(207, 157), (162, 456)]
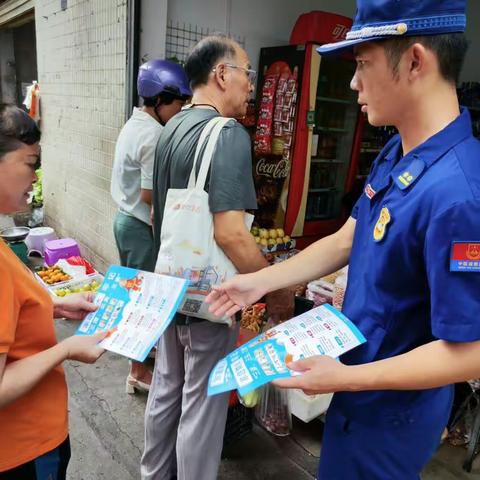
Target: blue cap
[(379, 19)]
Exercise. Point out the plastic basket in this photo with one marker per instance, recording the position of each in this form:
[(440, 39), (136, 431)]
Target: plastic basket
[(239, 423)]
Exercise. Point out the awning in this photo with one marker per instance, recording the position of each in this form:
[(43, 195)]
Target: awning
[(16, 12)]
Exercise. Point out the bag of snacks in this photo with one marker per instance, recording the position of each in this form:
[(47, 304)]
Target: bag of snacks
[(339, 289)]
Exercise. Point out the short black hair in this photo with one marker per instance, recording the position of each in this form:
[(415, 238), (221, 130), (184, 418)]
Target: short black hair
[(450, 49), (205, 55), (16, 128), (165, 98)]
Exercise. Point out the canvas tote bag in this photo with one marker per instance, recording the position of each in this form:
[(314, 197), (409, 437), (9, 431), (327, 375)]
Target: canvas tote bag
[(188, 248)]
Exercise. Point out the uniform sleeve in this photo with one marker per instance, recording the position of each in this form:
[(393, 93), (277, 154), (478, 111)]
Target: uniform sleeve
[(454, 296), (357, 206), (231, 184), (9, 310)]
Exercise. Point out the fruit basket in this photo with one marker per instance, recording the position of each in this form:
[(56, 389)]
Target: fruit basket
[(50, 276), (89, 283), (272, 240)]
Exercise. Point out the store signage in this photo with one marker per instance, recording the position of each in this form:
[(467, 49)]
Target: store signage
[(275, 169), (339, 32)]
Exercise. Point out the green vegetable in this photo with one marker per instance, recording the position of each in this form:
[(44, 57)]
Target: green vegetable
[(250, 399), (37, 188)]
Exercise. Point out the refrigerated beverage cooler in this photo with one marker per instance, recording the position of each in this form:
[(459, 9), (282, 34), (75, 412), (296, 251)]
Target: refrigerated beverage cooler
[(308, 136)]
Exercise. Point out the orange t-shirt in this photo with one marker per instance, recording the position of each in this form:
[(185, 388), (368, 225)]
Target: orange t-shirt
[(37, 422)]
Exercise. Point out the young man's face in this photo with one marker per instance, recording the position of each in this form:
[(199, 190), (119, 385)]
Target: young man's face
[(381, 93)]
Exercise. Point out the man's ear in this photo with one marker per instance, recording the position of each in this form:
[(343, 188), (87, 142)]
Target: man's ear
[(419, 58), (220, 76)]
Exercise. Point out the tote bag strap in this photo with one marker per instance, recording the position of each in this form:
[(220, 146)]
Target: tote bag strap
[(201, 141), (209, 150)]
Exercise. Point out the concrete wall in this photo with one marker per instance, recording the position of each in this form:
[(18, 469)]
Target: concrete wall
[(153, 30), (81, 64)]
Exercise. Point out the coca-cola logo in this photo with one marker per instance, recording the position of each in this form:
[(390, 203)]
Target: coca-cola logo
[(275, 169), (339, 32)]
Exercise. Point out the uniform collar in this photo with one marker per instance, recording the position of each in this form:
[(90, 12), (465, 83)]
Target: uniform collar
[(425, 155)]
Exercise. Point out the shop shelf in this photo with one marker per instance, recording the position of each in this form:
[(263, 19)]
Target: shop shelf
[(326, 160), (318, 217), (370, 150), (322, 190), (332, 130), (335, 100)]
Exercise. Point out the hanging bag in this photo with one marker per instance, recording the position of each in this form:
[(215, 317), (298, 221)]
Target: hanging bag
[(188, 248)]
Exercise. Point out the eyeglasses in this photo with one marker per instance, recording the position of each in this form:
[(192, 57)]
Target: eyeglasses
[(251, 74)]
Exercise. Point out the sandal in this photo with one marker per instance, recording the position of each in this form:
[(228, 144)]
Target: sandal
[(132, 385)]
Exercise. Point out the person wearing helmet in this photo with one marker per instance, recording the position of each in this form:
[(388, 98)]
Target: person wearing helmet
[(164, 89)]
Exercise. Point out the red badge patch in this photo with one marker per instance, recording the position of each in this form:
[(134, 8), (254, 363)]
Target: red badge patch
[(369, 191)]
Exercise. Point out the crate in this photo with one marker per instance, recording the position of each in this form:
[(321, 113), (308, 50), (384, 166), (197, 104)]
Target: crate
[(239, 423)]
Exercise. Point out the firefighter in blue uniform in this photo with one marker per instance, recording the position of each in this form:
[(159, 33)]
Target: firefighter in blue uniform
[(412, 245)]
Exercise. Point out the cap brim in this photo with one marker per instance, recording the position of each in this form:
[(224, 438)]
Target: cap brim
[(339, 47)]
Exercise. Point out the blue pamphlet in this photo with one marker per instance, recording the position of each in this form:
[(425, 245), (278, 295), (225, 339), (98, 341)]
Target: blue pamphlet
[(137, 307), (321, 331)]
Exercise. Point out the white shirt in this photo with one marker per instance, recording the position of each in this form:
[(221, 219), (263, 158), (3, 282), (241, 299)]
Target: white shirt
[(133, 164)]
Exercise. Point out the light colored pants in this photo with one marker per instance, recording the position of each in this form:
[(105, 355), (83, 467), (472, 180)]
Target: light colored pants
[(183, 427)]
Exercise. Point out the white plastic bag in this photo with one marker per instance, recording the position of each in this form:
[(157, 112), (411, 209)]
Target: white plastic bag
[(188, 248), (320, 292)]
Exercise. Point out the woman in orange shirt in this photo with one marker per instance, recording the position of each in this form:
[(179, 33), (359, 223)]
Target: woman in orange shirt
[(34, 441)]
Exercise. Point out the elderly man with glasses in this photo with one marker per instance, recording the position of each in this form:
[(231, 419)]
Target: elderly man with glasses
[(183, 427)]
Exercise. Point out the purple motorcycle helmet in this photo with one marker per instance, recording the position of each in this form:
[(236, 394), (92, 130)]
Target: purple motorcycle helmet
[(162, 76)]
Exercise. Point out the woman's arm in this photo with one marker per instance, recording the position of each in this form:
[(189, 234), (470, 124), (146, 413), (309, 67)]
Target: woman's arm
[(19, 377)]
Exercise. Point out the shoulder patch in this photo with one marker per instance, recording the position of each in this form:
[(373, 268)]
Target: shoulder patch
[(465, 257)]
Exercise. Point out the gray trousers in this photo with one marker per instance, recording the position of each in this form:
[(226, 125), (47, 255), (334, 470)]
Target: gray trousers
[(183, 427)]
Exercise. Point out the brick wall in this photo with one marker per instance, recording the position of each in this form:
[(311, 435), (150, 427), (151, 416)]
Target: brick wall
[(81, 55)]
